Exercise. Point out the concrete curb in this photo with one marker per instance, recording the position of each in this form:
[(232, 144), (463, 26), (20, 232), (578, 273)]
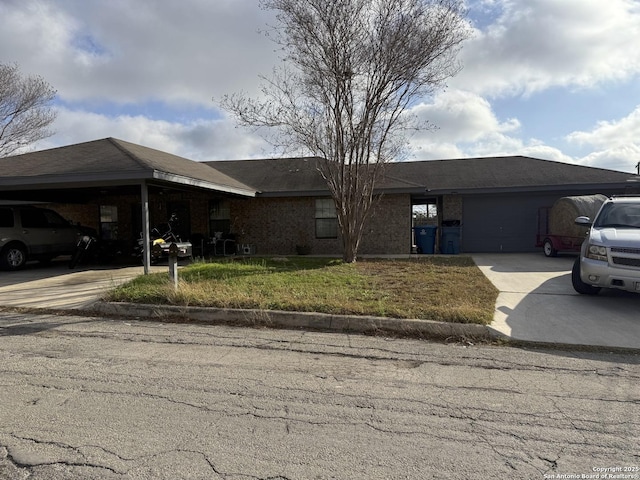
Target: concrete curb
[(297, 320)]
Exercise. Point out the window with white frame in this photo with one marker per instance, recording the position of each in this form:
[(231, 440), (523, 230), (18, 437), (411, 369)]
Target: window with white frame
[(326, 219)]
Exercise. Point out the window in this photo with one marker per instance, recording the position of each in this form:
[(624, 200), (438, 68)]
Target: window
[(326, 219), (424, 213), (219, 217), (6, 218), (54, 219), (108, 222), (33, 218)]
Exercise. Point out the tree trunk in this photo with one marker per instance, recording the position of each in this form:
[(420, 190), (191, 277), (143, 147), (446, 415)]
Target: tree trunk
[(350, 249)]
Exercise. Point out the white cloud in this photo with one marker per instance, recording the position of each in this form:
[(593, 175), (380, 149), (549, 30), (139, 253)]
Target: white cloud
[(196, 140), (462, 116), (537, 44), (461, 119), (130, 52), (159, 63), (611, 133), (624, 158), (616, 143), (468, 127)]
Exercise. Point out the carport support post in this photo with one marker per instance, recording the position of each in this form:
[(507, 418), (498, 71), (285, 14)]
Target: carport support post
[(146, 252)]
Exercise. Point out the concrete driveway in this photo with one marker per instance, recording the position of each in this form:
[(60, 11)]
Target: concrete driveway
[(538, 304), (57, 286)]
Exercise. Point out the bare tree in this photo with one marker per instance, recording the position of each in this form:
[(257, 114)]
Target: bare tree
[(25, 111), (351, 70)]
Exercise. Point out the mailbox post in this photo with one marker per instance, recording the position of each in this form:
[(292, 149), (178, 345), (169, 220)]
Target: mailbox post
[(173, 264)]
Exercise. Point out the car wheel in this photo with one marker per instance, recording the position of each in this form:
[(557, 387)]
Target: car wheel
[(578, 285), (13, 257), (549, 251)]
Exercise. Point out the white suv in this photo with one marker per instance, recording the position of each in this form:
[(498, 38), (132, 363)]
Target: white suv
[(30, 233), (610, 255)]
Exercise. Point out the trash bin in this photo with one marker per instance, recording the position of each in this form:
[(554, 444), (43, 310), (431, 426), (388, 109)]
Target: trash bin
[(450, 240), (425, 238)]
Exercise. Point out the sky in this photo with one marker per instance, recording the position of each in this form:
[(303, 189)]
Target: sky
[(551, 79)]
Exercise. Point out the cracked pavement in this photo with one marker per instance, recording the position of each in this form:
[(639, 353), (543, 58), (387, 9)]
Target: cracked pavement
[(96, 398)]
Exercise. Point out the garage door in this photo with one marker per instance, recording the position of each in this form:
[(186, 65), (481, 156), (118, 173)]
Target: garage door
[(502, 223)]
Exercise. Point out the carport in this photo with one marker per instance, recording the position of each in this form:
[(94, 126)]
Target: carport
[(81, 173)]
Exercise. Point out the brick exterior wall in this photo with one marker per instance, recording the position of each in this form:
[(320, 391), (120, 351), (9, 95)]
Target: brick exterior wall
[(452, 207), (388, 230), (274, 225), (277, 225), (85, 215)]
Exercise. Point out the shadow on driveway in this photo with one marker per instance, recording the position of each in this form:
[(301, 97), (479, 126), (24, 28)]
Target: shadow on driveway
[(34, 271), (537, 303), (56, 286)]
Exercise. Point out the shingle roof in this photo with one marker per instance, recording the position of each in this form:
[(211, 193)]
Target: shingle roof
[(111, 160), (502, 173), (120, 162), (298, 176), (291, 176), (275, 176)]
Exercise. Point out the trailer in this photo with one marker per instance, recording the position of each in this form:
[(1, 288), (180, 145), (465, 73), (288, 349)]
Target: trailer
[(551, 243), (557, 231)]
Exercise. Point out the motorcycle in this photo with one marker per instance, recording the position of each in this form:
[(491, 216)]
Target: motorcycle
[(85, 248), (162, 236), (90, 247)]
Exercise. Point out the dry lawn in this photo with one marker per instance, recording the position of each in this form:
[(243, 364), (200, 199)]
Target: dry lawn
[(450, 289)]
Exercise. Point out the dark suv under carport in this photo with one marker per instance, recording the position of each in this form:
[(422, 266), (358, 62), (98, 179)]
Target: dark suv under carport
[(32, 233)]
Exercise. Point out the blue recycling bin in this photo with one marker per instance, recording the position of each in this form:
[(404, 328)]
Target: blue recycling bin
[(425, 238), (450, 240)]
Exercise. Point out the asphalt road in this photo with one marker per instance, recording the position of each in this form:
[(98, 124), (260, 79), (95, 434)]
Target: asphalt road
[(86, 398)]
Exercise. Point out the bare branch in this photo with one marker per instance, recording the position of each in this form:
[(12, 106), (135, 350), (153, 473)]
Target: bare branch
[(25, 112), (351, 69)]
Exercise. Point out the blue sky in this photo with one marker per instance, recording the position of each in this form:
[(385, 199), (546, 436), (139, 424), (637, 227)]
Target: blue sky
[(553, 79)]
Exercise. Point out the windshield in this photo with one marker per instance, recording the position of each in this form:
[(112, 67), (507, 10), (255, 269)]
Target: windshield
[(619, 215)]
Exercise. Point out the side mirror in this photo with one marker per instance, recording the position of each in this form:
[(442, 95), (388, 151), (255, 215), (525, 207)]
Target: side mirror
[(583, 221)]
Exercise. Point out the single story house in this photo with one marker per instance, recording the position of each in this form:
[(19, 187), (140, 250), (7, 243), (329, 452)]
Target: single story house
[(272, 206)]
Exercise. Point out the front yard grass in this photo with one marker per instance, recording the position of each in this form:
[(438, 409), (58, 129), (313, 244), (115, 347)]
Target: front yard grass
[(450, 289)]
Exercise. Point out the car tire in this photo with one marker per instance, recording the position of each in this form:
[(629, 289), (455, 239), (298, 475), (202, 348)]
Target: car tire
[(549, 250), (13, 257), (578, 285)]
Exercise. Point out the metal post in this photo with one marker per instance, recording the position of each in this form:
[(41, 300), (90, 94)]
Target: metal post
[(173, 264), (146, 237)]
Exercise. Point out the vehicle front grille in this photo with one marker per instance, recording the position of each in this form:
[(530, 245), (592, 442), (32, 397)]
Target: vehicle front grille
[(632, 251), (629, 262)]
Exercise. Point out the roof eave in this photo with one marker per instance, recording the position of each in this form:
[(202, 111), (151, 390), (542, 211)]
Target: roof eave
[(587, 187), (42, 182), (193, 182), (325, 192), (294, 193)]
